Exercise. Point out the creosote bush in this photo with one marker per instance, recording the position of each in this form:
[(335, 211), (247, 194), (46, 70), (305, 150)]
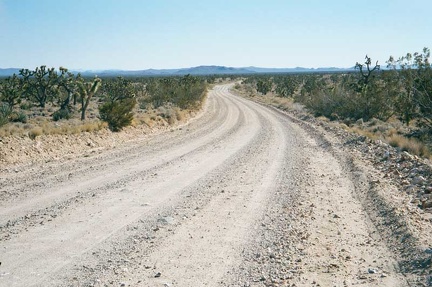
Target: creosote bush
[(61, 114), (117, 114), (117, 110)]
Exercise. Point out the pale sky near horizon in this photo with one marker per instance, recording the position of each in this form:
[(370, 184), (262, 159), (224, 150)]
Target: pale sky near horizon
[(135, 35)]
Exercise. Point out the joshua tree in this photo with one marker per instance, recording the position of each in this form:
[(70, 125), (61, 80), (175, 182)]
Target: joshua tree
[(118, 89), (86, 91), (366, 75), (11, 91), (67, 82), (41, 84)]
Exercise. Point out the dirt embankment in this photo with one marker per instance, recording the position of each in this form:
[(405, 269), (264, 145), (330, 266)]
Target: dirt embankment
[(243, 195), (22, 150)]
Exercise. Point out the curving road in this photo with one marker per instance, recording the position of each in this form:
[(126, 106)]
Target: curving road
[(178, 209)]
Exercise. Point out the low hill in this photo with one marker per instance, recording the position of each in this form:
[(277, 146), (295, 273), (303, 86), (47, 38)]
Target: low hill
[(200, 70)]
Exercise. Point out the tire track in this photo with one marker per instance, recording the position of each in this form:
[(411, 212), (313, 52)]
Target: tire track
[(84, 226), (71, 192), (29, 180)]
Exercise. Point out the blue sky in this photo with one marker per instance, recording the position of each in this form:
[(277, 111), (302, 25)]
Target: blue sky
[(142, 34)]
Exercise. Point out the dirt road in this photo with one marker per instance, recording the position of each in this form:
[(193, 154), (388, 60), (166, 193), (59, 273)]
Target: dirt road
[(241, 196)]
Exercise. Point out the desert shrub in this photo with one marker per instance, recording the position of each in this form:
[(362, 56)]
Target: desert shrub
[(351, 96), (286, 86), (331, 101), (34, 132), (18, 117), (158, 93), (187, 92), (5, 113), (144, 103), (117, 110), (412, 75), (61, 114), (13, 129), (411, 145), (264, 86), (171, 120), (145, 119), (322, 104), (26, 106), (117, 114), (180, 115), (363, 132)]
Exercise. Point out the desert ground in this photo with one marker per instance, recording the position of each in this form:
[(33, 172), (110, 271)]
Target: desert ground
[(240, 195)]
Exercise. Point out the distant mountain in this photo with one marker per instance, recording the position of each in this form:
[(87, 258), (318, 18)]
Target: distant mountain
[(297, 70), (8, 72), (214, 70), (200, 70), (126, 73), (210, 70)]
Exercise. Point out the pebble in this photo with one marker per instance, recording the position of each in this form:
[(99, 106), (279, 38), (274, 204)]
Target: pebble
[(419, 180)]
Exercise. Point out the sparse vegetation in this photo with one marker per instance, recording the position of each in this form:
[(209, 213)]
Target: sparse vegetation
[(263, 86), (185, 92), (62, 97), (401, 93)]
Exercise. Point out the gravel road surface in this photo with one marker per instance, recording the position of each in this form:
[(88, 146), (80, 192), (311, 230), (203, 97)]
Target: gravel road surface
[(243, 195)]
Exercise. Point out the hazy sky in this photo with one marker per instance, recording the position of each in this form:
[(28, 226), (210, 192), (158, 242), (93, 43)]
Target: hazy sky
[(142, 34)]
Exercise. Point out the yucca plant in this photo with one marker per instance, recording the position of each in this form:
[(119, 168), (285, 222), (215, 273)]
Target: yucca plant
[(5, 113)]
